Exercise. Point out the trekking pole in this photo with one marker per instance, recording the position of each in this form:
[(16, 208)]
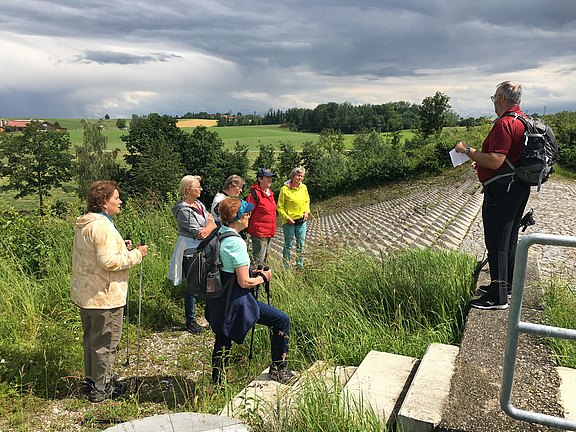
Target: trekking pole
[(254, 326), (267, 287), (127, 362), (479, 266), (142, 242), (268, 297)]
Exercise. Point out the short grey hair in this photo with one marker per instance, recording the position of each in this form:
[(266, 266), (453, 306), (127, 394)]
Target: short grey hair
[(512, 91), (296, 171), (234, 181), (186, 182)]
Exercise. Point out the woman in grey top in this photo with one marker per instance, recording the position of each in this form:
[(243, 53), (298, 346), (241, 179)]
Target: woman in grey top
[(195, 223)]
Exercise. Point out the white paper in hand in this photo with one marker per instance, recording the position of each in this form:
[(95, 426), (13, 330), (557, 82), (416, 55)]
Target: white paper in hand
[(458, 158)]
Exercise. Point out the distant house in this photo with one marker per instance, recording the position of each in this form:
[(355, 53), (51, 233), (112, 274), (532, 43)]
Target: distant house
[(20, 125), (17, 125)]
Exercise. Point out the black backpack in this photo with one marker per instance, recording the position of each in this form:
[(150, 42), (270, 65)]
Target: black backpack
[(540, 153), (203, 278)]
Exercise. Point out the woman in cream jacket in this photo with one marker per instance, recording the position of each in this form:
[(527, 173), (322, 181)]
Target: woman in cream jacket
[(101, 260)]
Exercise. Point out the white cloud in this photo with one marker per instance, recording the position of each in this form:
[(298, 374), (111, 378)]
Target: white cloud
[(63, 58)]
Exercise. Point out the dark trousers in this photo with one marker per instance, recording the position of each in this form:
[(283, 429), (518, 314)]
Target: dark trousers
[(271, 317), (502, 211)]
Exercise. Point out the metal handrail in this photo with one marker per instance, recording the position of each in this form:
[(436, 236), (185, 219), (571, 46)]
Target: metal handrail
[(515, 326)]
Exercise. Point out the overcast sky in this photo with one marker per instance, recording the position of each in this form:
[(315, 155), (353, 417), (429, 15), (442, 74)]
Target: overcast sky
[(88, 58)]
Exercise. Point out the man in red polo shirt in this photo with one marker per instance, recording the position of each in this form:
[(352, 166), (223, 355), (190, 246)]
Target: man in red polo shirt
[(505, 197)]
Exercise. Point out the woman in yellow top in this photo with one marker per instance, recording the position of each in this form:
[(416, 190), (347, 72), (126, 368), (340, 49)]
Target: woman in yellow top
[(294, 208)]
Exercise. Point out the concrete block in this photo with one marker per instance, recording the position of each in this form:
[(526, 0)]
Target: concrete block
[(181, 422), (264, 396), (422, 408), (380, 382), (567, 391), (260, 396)]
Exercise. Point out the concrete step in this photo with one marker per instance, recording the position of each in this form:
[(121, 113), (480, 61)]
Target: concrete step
[(422, 408), (181, 422), (381, 381), (567, 391), (263, 397)]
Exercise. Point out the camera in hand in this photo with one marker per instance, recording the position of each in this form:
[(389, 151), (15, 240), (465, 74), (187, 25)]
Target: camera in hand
[(527, 220), (299, 221)]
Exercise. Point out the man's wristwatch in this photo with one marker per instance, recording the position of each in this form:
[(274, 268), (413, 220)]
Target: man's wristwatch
[(467, 151)]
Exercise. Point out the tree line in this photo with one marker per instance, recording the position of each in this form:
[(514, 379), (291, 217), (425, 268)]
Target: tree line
[(159, 153), (349, 119)]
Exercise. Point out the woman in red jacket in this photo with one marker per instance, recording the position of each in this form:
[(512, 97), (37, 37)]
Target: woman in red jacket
[(262, 225)]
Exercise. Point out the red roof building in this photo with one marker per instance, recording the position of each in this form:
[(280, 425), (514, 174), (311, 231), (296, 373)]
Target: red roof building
[(19, 125)]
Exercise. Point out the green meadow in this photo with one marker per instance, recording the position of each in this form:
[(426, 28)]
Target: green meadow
[(252, 136)]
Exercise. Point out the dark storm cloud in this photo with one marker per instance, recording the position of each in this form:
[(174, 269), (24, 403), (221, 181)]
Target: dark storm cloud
[(111, 57), (329, 36), (274, 44)]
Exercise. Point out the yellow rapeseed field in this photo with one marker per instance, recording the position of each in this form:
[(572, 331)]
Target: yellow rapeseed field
[(190, 123)]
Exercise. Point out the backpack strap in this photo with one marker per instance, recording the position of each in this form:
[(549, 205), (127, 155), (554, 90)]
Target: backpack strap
[(524, 121), (227, 234), (500, 176), (255, 196), (513, 173), (230, 282)]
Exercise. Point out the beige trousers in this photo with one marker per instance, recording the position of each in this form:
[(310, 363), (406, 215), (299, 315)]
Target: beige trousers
[(102, 332)]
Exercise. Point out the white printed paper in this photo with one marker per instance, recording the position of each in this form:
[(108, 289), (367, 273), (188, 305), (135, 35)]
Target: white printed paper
[(458, 158)]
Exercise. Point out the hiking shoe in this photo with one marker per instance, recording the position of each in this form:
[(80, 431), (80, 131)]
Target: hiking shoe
[(194, 327), (487, 303), (483, 289), (111, 391), (283, 376), (87, 386)]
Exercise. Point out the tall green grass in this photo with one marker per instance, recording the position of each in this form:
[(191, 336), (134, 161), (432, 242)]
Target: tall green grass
[(356, 302), (342, 306), (559, 310)]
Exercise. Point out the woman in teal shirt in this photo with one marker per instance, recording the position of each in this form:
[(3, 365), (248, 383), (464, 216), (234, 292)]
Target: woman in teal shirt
[(231, 320)]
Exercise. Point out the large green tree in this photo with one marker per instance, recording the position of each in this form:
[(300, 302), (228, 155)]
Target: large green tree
[(159, 170), (288, 159), (154, 145), (36, 161), (327, 166), (93, 161), (564, 126), (150, 129), (265, 158), (433, 113), (237, 162), (203, 154)]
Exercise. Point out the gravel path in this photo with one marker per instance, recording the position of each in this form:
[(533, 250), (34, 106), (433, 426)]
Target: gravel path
[(555, 213)]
